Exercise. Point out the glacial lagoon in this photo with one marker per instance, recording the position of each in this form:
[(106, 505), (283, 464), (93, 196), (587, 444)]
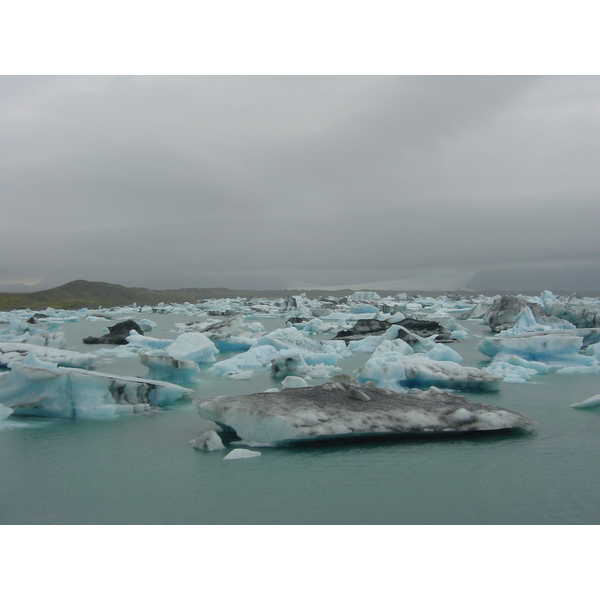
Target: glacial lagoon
[(142, 469)]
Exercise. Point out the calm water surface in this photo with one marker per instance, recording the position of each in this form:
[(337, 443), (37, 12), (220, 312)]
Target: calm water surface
[(143, 470)]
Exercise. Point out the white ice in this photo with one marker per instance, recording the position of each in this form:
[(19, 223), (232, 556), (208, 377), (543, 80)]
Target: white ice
[(337, 409), (397, 372), (593, 402), (38, 388), (242, 453), (556, 350), (14, 352), (209, 441)]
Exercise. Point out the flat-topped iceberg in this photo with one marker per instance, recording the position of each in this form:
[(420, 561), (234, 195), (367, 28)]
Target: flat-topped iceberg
[(340, 410), (396, 371), (556, 349), (11, 352), (41, 389)]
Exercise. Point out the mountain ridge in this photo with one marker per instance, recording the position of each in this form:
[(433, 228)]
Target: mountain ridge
[(81, 293)]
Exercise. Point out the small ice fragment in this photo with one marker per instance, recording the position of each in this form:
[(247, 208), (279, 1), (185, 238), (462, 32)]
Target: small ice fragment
[(291, 381), (242, 453), (209, 441), (592, 402)]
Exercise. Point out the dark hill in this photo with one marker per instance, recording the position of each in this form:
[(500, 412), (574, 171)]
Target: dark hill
[(93, 294)]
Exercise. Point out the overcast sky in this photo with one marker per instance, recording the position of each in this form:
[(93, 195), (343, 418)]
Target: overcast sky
[(299, 181)]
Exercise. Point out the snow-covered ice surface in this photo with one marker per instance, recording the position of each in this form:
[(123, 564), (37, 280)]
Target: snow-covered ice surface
[(338, 410)]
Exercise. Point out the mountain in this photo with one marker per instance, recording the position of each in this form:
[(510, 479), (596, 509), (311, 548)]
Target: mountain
[(94, 294)]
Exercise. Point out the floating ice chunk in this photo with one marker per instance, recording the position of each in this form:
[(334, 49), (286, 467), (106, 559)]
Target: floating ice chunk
[(193, 346), (167, 368), (363, 309), (396, 317), (476, 313), (50, 339), (364, 296), (515, 369), (593, 350), (147, 325), (5, 412), (593, 402), (526, 321), (255, 358), (14, 352), (293, 381), (118, 352), (457, 332), (397, 345), (397, 372), (145, 342), (242, 453), (511, 373), (504, 312), (208, 441), (227, 335), (315, 326), (443, 352), (555, 350), (38, 388), (337, 410)]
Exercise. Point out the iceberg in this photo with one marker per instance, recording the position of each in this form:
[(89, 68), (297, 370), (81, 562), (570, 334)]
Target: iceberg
[(593, 402), (176, 361), (397, 372), (504, 312), (242, 453), (5, 412), (347, 411), (196, 347), (11, 352), (515, 369), (457, 332), (287, 363), (41, 389), (209, 441), (555, 349), (166, 368)]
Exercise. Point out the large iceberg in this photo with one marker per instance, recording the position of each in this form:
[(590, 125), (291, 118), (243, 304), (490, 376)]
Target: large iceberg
[(41, 389), (340, 410)]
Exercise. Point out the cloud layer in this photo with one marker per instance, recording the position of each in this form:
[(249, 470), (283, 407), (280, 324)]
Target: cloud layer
[(267, 182)]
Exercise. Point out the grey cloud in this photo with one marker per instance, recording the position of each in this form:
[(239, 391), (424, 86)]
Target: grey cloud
[(185, 181)]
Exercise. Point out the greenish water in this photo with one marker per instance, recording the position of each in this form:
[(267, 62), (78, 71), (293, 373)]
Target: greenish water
[(143, 470)]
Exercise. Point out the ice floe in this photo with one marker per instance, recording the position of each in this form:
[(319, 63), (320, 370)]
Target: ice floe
[(338, 410)]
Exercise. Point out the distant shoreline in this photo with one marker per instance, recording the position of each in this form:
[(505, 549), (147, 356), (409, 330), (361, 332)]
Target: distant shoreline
[(92, 294)]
